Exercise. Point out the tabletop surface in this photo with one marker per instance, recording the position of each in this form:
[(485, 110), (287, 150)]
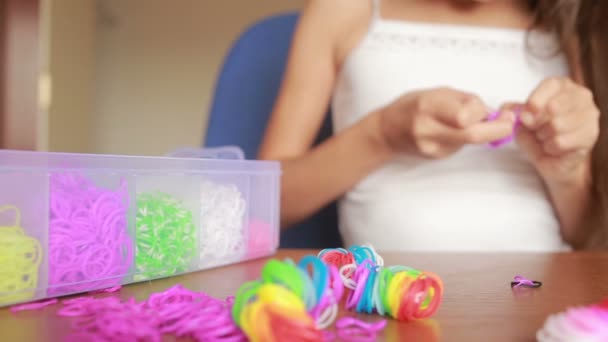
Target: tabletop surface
[(478, 303)]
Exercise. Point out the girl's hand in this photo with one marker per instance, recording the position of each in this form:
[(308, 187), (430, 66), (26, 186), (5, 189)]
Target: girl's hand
[(438, 122), (560, 125)]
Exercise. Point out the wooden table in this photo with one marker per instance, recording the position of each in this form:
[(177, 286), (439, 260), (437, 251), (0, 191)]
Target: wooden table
[(478, 305)]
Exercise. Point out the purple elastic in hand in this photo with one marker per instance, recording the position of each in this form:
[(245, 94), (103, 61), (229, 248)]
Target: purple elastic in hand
[(520, 281), (500, 142)]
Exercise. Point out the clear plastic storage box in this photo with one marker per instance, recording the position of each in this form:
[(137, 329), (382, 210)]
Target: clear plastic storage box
[(73, 223)]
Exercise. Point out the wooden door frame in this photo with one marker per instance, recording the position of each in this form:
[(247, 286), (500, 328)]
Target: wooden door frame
[(19, 71)]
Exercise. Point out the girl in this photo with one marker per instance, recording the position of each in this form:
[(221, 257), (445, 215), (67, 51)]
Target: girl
[(411, 84)]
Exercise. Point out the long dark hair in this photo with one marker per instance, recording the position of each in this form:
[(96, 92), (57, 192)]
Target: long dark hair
[(582, 28)]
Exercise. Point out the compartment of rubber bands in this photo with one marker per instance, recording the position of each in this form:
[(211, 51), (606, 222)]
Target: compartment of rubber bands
[(262, 224), (23, 235), (224, 210), (73, 223), (166, 224), (90, 245)]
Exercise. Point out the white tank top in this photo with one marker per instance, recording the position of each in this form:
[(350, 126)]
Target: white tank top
[(480, 199)]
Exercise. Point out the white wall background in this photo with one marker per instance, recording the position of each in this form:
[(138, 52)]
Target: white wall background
[(67, 82), (156, 66)]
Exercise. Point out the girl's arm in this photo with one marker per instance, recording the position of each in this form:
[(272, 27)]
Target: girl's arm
[(430, 123), (311, 179), (572, 202), (560, 128)]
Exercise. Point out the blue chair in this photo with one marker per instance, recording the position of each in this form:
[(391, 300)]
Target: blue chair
[(244, 97)]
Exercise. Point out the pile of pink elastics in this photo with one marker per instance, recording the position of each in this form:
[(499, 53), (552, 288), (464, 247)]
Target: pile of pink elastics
[(89, 242), (584, 323), (176, 311)]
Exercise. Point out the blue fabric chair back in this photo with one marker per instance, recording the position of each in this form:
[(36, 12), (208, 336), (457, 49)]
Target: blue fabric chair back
[(244, 97)]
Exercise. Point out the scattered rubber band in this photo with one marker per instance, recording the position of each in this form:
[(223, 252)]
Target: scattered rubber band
[(176, 311), (400, 292), (520, 281), (34, 305)]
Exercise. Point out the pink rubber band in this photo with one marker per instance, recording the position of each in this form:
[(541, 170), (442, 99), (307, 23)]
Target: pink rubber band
[(108, 290), (34, 305), (500, 142)]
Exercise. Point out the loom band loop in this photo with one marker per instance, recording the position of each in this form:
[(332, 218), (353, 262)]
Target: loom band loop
[(99, 252), (346, 273), (327, 316), (59, 207), (362, 253), (285, 274), (280, 296), (17, 232), (327, 300), (436, 289), (23, 248), (332, 250), (435, 293), (73, 309), (245, 294), (320, 274), (377, 257), (114, 219), (361, 275), (310, 296), (385, 279), (16, 215), (337, 286), (376, 293), (397, 288), (260, 330), (356, 334), (436, 277), (401, 268), (366, 302), (80, 214), (349, 322), (222, 327), (412, 299), (289, 326)]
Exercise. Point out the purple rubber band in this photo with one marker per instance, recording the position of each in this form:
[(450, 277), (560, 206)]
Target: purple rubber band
[(500, 142), (520, 281), (361, 275)]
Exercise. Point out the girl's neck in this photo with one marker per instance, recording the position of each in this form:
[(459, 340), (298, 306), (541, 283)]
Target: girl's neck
[(497, 13)]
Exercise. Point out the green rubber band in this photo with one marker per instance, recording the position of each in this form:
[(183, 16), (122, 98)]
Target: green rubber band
[(166, 236), (284, 274), (243, 296), (386, 276)]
